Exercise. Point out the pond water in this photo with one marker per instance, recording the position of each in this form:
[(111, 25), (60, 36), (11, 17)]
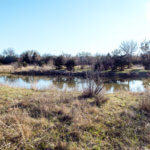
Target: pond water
[(70, 83)]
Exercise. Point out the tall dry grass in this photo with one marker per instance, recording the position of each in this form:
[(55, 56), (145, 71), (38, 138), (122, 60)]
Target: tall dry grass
[(95, 90), (56, 120), (31, 123), (145, 102)]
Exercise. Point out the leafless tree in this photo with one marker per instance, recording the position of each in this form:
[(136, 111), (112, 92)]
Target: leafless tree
[(9, 52), (117, 52), (128, 47), (145, 46)]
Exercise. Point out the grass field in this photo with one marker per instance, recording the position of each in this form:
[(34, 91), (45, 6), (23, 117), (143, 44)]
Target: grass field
[(52, 120)]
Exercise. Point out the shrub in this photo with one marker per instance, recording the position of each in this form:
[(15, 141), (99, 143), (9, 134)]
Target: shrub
[(9, 59), (24, 64), (46, 59), (30, 57), (104, 63), (98, 66), (59, 62), (41, 63), (9, 56), (119, 62), (19, 64), (84, 58), (70, 64), (145, 47), (146, 60), (95, 91)]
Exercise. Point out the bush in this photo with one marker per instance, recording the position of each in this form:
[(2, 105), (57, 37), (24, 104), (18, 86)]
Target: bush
[(41, 63), (114, 62), (95, 91), (70, 64), (30, 57), (119, 62), (146, 61), (59, 62), (104, 63), (20, 64), (46, 59), (24, 64), (92, 89), (8, 57), (145, 47), (136, 60), (98, 66)]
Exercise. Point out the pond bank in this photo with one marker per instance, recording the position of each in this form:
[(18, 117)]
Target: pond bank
[(136, 73)]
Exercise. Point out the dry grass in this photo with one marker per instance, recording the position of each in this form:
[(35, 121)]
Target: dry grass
[(32, 118), (14, 68), (145, 103), (34, 68), (7, 68), (52, 120)]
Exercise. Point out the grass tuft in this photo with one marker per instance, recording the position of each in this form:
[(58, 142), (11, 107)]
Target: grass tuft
[(95, 91)]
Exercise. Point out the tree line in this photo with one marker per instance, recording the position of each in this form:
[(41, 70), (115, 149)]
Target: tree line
[(123, 57)]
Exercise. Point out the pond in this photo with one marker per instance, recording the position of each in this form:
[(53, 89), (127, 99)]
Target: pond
[(73, 83)]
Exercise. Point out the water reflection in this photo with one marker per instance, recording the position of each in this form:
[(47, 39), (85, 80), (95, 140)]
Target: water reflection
[(146, 83), (70, 83)]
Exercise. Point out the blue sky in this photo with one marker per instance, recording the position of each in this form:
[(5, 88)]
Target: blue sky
[(72, 26)]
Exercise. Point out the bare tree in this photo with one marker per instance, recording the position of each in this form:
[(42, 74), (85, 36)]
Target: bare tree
[(9, 52), (117, 52), (9, 56), (145, 46), (128, 47)]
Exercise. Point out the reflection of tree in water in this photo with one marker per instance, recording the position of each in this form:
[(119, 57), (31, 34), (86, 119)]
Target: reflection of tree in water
[(10, 79), (70, 81), (146, 83), (30, 79), (117, 85), (80, 82), (27, 79), (58, 82), (98, 81)]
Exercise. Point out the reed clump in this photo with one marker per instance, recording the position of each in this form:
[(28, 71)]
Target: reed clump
[(95, 90)]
